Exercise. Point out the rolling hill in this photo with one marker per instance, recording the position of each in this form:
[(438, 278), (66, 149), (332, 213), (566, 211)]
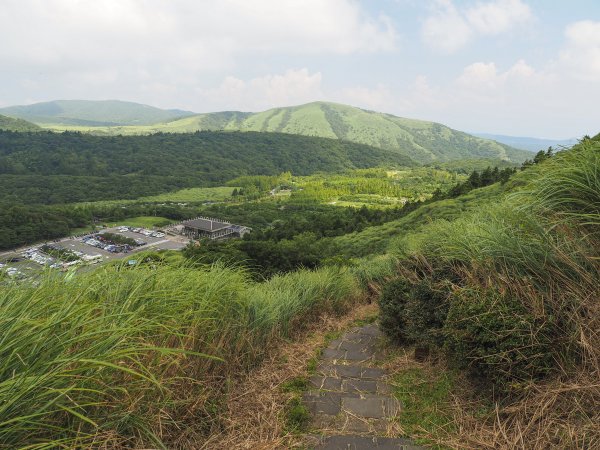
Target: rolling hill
[(11, 124), (92, 113), (423, 141)]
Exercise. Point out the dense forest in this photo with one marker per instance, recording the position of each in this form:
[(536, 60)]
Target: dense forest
[(49, 168)]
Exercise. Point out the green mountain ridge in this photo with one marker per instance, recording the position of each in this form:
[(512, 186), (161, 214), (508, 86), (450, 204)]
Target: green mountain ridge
[(92, 113), (421, 140), (12, 124)]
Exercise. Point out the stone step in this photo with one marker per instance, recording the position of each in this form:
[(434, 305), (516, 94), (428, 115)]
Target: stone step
[(350, 371), (349, 385), (357, 442), (358, 354), (368, 406)]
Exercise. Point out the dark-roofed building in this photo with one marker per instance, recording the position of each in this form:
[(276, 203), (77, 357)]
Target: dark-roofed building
[(206, 227)]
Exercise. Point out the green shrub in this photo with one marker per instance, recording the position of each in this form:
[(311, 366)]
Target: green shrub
[(415, 313), (425, 313), (392, 305), (496, 339)]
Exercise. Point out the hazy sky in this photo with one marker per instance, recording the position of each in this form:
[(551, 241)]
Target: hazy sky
[(520, 67)]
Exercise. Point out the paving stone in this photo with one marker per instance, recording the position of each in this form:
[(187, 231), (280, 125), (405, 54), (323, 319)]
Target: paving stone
[(370, 386), (330, 353), (353, 442), (323, 404), (353, 355), (326, 383), (364, 407), (356, 346), (372, 373), (337, 370)]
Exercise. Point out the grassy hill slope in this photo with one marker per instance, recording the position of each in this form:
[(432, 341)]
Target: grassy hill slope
[(423, 141), (91, 113), (11, 124)]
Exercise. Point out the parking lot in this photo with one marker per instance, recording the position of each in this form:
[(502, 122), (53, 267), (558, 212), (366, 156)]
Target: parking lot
[(88, 249)]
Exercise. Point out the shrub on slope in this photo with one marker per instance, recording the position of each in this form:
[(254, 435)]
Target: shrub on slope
[(522, 298)]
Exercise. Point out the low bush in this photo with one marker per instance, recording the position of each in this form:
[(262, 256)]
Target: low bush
[(425, 313), (392, 304), (496, 339)]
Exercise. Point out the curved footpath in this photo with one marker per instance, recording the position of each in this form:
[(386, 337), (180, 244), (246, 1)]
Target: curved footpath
[(351, 404)]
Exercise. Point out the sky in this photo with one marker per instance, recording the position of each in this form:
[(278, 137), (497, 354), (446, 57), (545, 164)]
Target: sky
[(515, 67)]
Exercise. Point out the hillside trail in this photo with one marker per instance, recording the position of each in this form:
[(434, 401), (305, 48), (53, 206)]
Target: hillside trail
[(351, 402)]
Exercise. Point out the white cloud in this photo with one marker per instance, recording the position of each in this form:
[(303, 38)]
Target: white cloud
[(580, 56), (446, 29), (449, 28), (498, 16), (85, 48), (480, 75), (291, 88)]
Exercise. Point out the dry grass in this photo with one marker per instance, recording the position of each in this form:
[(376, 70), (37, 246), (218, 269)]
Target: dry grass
[(254, 415)]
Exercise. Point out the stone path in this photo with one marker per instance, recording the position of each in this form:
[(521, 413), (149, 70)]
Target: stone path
[(351, 404)]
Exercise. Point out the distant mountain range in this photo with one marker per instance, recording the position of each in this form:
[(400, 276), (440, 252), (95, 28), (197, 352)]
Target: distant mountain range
[(92, 113), (528, 143), (422, 141)]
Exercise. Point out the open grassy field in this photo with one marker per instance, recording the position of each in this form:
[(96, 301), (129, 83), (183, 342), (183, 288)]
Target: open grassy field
[(193, 195), (143, 222)]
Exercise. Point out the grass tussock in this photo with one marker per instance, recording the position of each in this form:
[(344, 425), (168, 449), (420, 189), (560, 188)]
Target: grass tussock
[(133, 356), (516, 291)]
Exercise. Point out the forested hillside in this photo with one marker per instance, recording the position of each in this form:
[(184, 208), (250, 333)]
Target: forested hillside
[(11, 124), (71, 167), (92, 113)]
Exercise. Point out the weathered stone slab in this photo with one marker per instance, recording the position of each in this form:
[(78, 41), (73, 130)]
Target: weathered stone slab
[(364, 407), (326, 383), (330, 353), (336, 370), (323, 404), (354, 355), (357, 346), (369, 386), (372, 373)]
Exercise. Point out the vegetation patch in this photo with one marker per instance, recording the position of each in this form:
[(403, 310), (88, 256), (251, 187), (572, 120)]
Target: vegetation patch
[(426, 398)]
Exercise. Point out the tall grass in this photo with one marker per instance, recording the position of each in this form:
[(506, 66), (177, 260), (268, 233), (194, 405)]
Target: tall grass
[(132, 356)]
